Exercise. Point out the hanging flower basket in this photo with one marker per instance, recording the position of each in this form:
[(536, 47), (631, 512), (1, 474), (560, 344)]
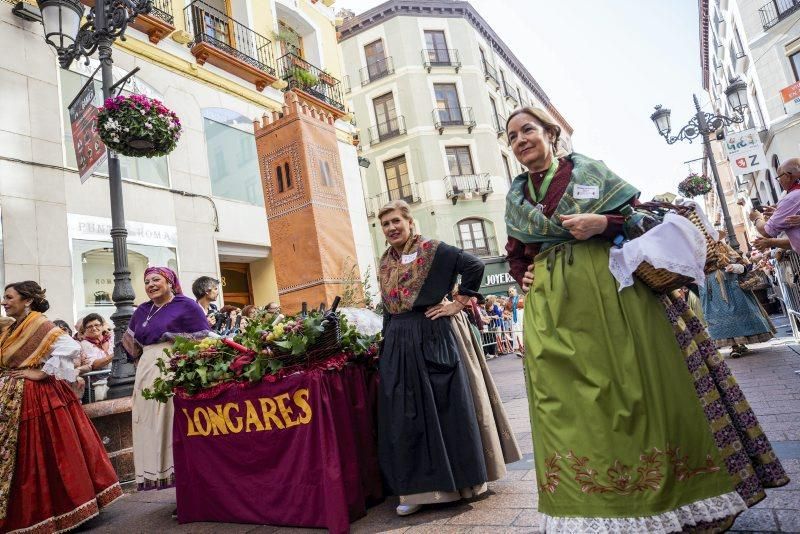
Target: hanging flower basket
[(694, 185), (138, 126)]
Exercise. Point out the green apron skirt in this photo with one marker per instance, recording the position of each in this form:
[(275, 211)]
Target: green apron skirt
[(618, 430)]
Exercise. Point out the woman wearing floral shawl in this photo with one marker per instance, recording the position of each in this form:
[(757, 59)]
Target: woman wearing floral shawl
[(637, 424), (152, 328)]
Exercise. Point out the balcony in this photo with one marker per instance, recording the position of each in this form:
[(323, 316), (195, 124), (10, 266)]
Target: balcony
[(499, 125), (233, 47), (440, 57), (775, 11), (407, 192), (157, 24), (390, 129), (508, 92), (450, 117), (466, 186), (490, 74), (322, 88), (377, 70)]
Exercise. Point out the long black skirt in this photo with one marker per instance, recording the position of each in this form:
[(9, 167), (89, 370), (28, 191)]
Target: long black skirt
[(428, 436)]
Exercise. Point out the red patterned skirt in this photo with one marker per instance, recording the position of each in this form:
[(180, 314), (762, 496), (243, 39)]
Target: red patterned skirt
[(62, 476)]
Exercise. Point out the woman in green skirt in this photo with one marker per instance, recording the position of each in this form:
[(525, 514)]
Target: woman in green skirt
[(637, 424)]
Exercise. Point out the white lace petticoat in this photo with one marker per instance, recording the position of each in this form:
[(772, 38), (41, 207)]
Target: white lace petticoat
[(711, 509)]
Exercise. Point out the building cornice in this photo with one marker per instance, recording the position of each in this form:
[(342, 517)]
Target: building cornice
[(449, 9), (702, 9)]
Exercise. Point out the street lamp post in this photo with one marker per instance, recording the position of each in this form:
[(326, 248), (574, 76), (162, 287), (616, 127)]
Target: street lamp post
[(105, 22), (703, 124)]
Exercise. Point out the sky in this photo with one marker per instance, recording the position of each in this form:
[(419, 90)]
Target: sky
[(605, 65)]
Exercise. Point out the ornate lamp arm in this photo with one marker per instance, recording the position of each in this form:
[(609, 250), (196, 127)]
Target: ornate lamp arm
[(703, 124), (119, 13)]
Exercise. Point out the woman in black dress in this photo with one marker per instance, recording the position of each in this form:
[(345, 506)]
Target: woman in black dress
[(430, 438)]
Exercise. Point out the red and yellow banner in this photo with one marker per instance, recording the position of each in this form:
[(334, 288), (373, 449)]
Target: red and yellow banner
[(301, 451)]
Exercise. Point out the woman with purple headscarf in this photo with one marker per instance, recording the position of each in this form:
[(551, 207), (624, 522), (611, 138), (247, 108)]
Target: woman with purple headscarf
[(152, 328)]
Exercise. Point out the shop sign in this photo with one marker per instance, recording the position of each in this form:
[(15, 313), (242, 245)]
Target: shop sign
[(99, 229), (498, 279), (745, 151), (791, 98), (90, 151)]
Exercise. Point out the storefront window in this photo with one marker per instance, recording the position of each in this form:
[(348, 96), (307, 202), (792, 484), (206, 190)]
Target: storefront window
[(150, 170), (93, 273), (232, 157)]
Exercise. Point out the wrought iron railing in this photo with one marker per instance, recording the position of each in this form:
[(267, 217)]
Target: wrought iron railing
[(490, 74), (302, 75), (377, 70), (467, 185), (441, 57), (407, 192), (509, 93), (394, 127), (162, 9), (776, 10), (206, 24), (499, 125), (444, 117)]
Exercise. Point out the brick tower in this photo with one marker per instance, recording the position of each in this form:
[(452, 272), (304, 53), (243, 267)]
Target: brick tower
[(306, 203)]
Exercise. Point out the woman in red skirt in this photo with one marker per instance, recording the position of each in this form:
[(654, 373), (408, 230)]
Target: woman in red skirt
[(54, 471)]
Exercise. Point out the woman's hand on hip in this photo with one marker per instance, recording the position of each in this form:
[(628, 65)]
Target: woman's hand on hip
[(584, 225), (445, 309), (30, 374), (527, 279)]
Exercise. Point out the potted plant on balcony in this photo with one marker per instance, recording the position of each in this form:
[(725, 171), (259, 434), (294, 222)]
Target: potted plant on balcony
[(138, 126), (303, 78), (327, 78)]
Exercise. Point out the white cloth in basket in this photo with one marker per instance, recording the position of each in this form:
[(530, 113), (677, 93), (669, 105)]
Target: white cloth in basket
[(676, 245)]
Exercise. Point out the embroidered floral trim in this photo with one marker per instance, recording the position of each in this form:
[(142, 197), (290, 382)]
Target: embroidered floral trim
[(551, 475), (620, 478), (619, 475), (682, 471)]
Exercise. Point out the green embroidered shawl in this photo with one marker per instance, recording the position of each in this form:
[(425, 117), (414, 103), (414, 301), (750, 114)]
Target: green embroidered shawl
[(529, 225)]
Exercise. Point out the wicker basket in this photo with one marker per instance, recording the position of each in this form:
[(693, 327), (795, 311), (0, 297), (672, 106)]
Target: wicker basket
[(662, 280), (328, 344)]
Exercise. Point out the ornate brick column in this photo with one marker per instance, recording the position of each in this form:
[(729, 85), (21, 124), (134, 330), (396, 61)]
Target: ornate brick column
[(306, 203)]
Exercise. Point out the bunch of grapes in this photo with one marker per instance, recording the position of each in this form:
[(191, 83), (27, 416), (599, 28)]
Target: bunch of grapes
[(208, 346)]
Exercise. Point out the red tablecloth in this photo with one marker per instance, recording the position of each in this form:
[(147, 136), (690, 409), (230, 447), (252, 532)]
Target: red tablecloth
[(298, 452)]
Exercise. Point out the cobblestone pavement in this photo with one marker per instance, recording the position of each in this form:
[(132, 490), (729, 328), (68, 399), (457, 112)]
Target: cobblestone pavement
[(767, 376)]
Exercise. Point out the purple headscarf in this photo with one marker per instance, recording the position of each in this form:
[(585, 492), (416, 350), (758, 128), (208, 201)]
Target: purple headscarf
[(170, 276)]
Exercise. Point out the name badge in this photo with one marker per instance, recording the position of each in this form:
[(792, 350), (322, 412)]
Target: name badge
[(585, 191), (408, 258)]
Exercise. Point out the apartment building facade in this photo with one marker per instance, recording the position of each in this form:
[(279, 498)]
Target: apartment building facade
[(430, 85)]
